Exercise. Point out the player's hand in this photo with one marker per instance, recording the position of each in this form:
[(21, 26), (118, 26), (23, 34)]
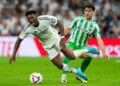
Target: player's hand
[(106, 56), (12, 59), (62, 42)]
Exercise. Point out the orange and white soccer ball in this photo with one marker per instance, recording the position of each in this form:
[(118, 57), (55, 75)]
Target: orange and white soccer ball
[(36, 78)]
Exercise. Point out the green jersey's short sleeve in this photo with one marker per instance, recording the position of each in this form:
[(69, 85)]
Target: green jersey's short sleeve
[(24, 33), (51, 19), (97, 31), (74, 23)]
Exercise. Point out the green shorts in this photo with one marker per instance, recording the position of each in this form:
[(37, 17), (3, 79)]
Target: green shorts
[(73, 46), (90, 50)]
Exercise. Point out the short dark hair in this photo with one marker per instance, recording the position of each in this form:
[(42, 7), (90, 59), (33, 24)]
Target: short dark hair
[(90, 6), (30, 12)]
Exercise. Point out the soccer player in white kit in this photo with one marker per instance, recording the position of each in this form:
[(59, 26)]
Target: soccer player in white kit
[(41, 27)]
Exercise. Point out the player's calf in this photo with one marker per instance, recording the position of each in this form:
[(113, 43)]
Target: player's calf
[(60, 66)]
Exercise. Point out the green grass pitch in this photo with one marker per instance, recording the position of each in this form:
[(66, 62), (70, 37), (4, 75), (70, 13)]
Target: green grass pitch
[(100, 72)]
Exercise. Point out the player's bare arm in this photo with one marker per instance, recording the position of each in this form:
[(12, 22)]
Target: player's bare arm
[(17, 44), (61, 28), (67, 30), (101, 45)]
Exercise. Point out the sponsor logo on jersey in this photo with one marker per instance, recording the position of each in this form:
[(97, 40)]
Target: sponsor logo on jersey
[(88, 32)]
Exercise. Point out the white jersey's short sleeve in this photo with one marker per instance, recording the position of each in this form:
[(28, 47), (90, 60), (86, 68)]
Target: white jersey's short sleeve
[(24, 33), (51, 19)]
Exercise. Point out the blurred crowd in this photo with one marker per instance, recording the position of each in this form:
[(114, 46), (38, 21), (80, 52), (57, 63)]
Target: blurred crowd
[(12, 14)]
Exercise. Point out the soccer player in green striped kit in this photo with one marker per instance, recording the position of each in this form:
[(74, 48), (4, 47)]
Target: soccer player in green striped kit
[(82, 28)]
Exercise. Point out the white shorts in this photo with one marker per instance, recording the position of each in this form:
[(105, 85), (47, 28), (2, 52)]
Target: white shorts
[(53, 48)]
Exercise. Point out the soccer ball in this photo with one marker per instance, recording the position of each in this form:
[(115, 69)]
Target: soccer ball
[(36, 78)]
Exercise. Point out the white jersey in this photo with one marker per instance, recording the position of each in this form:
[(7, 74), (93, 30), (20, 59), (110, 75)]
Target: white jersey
[(44, 32)]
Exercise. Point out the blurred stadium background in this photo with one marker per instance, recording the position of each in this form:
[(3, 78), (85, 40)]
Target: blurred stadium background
[(12, 19), (12, 22)]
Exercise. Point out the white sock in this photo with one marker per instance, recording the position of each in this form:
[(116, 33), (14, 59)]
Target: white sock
[(64, 77), (78, 53), (67, 68)]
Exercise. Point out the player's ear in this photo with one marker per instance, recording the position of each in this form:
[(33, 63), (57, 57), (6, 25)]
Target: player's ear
[(93, 12)]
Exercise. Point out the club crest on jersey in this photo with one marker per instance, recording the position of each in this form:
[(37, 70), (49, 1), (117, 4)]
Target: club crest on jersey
[(90, 29), (53, 20), (43, 26)]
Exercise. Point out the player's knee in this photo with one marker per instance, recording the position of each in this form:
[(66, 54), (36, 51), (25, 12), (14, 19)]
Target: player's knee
[(89, 58), (72, 58), (60, 66), (63, 48)]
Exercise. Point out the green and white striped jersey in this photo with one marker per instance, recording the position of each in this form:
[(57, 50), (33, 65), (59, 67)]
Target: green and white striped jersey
[(82, 30)]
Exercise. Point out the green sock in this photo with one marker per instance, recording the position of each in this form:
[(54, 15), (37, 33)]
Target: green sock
[(85, 63), (66, 61)]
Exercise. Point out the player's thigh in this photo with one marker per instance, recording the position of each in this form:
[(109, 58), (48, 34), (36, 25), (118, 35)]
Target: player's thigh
[(57, 61), (70, 48), (68, 53), (70, 45)]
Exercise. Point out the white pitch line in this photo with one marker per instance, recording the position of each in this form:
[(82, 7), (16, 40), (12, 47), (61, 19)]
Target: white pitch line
[(117, 61)]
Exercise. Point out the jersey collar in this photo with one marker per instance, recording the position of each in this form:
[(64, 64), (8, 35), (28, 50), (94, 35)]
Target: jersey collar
[(88, 21)]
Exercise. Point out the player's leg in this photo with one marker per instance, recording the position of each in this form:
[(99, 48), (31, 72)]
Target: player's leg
[(68, 53), (66, 61), (53, 54), (88, 57), (58, 62), (73, 54), (64, 74)]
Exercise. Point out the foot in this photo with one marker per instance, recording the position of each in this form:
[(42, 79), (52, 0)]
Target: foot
[(80, 79), (81, 74), (63, 78), (92, 50)]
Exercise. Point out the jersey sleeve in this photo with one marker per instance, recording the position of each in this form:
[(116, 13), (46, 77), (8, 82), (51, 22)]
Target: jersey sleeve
[(51, 19), (74, 23), (97, 31), (24, 33)]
